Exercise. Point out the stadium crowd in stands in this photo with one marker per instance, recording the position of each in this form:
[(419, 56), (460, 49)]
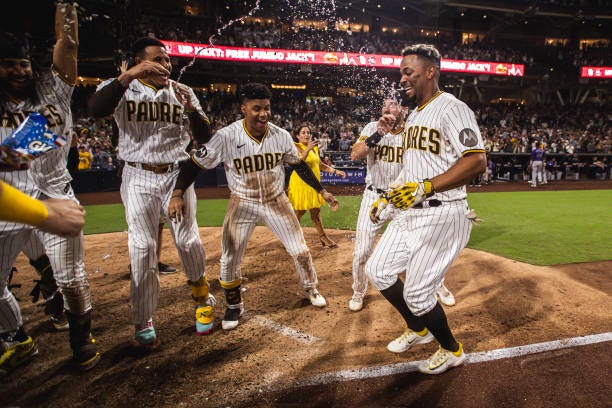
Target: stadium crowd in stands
[(507, 129)]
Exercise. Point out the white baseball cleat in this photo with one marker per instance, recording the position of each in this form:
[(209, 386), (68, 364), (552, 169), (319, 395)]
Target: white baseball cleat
[(446, 297), (356, 302), (316, 299), (442, 360), (407, 340), (231, 318)]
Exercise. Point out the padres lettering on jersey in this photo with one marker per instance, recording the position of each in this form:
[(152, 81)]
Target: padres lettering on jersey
[(152, 125), (384, 163), (422, 138), (47, 173), (147, 111), (258, 162), (13, 119), (438, 134), (254, 169)]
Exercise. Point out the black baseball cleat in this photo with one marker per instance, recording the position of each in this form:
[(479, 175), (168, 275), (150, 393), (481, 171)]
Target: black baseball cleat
[(15, 353), (165, 269), (87, 356)]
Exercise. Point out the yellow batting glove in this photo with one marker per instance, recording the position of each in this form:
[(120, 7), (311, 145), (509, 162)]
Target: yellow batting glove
[(410, 194), (377, 208)]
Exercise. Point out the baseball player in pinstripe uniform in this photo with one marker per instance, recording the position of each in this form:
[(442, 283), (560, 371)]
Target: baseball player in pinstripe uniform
[(443, 151), (46, 285), (253, 152), (48, 93), (155, 116), (383, 155)]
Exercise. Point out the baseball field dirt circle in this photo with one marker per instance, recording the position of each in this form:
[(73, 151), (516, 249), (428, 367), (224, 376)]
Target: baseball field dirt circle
[(283, 341)]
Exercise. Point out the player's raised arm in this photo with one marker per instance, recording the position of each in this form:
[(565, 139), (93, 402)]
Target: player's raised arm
[(198, 121), (67, 44), (154, 69)]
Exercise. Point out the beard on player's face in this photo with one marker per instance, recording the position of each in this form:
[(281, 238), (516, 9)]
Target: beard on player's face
[(21, 90), (17, 77)]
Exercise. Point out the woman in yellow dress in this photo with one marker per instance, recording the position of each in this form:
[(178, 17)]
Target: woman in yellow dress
[(303, 197)]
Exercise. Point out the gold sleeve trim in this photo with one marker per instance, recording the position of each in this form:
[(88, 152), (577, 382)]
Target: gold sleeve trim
[(63, 77), (473, 151)]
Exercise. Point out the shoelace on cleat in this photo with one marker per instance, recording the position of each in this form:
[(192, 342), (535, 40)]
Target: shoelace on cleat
[(438, 358), (405, 335)]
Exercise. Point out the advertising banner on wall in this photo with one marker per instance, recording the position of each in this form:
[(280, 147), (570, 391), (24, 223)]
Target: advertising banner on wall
[(286, 56)]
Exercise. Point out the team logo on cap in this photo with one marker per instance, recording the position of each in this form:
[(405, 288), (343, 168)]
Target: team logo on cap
[(468, 137)]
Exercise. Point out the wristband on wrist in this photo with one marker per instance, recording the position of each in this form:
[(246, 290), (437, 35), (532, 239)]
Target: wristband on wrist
[(428, 188), (19, 207), (373, 139)]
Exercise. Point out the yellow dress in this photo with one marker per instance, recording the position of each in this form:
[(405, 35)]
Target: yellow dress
[(301, 195)]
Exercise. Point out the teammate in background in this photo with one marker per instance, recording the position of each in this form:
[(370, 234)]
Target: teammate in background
[(253, 151), (49, 93), (443, 151), (383, 154), (303, 197), (538, 158), (153, 115)]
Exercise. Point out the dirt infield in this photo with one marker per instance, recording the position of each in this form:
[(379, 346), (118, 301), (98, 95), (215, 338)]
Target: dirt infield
[(283, 342)]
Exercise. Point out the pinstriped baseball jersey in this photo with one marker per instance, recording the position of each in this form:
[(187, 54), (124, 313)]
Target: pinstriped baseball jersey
[(254, 169), (152, 124), (437, 134), (384, 163), (47, 173)]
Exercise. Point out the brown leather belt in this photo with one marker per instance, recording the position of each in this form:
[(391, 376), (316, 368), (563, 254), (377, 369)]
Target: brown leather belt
[(155, 168)]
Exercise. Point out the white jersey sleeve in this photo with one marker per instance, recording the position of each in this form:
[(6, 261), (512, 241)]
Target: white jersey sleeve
[(460, 126), (212, 153)]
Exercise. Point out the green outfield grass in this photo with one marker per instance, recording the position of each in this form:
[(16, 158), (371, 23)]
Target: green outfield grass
[(537, 227)]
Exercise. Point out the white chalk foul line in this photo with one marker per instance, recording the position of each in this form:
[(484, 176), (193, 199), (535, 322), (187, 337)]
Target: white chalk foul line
[(408, 367), (285, 330)]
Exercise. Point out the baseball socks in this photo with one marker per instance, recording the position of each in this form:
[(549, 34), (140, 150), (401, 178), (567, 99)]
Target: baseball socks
[(204, 303), (46, 285), (83, 345), (416, 333), (233, 304), (395, 295)]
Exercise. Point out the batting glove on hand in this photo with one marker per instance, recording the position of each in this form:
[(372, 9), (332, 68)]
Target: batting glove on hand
[(410, 194), (378, 207)]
